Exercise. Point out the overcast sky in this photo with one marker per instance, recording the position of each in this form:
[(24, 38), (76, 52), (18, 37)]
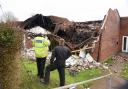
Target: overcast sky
[(74, 10)]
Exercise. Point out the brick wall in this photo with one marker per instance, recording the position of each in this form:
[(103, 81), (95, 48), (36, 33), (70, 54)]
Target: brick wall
[(94, 51), (123, 29), (109, 43)]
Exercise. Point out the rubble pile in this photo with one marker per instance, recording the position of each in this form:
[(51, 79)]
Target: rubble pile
[(29, 54), (77, 64), (76, 34), (80, 34), (73, 63), (119, 57)]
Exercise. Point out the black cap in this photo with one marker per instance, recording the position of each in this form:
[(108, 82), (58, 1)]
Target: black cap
[(39, 34)]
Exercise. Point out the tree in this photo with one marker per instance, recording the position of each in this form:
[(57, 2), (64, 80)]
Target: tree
[(8, 17)]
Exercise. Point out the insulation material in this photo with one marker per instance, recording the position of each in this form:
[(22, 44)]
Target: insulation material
[(82, 54), (89, 57), (71, 61)]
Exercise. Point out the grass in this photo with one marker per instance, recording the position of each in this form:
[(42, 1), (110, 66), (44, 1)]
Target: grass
[(109, 61), (125, 71), (30, 80)]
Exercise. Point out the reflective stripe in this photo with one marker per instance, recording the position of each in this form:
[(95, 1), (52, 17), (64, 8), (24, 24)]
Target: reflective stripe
[(38, 41), (39, 46)]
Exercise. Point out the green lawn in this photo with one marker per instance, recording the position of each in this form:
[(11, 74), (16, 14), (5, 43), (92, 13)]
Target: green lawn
[(109, 61), (125, 71), (30, 80)]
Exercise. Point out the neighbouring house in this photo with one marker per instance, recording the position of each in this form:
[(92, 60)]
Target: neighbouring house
[(113, 37)]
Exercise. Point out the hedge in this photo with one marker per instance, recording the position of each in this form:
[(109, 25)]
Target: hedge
[(10, 48)]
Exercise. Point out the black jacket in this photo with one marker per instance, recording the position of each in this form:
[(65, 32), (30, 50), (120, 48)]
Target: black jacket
[(61, 53)]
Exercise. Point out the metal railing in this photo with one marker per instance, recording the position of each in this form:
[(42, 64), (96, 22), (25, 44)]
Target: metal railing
[(90, 80)]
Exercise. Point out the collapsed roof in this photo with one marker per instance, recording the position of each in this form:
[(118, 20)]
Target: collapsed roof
[(76, 34)]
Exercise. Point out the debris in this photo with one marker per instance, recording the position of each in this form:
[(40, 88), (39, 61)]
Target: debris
[(105, 67), (118, 57), (30, 54), (71, 61), (82, 54), (75, 63), (76, 34), (89, 57), (73, 87)]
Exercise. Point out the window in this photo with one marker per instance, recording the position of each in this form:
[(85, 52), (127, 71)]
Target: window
[(125, 44)]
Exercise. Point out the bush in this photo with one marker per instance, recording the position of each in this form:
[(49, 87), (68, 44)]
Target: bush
[(10, 48)]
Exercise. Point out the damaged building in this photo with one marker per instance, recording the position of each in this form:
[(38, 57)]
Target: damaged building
[(101, 38)]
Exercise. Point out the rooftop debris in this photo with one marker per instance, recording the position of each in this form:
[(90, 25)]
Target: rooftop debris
[(76, 34)]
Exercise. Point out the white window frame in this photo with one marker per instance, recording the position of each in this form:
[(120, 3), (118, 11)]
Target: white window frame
[(126, 44)]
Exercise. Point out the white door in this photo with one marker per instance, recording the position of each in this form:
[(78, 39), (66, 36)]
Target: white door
[(125, 44)]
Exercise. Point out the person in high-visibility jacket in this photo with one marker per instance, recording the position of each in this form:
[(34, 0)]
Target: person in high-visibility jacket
[(41, 48)]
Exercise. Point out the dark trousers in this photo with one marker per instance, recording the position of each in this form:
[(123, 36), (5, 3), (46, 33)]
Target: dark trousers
[(61, 71), (40, 66)]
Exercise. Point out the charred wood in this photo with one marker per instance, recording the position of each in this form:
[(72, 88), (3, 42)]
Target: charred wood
[(76, 34)]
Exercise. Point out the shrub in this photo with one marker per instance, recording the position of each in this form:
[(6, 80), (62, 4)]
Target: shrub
[(10, 48)]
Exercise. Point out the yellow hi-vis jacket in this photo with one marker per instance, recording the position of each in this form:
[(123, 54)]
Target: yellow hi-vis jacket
[(40, 45)]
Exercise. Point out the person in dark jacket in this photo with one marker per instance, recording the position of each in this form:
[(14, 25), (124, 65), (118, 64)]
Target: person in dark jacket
[(61, 53)]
